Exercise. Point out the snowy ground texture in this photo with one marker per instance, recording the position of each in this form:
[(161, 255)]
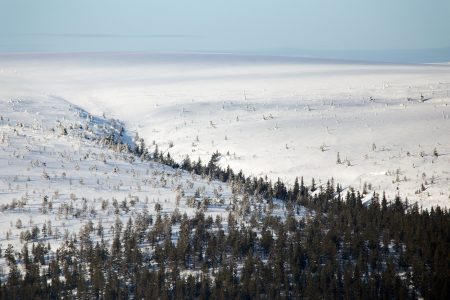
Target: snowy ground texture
[(281, 117)]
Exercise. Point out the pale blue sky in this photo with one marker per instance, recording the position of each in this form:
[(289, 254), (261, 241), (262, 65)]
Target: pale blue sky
[(347, 28)]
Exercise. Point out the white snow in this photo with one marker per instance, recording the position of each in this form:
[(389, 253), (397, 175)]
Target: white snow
[(281, 117)]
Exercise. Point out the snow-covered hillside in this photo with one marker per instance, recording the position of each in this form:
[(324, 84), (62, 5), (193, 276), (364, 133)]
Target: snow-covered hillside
[(284, 117), (58, 174)]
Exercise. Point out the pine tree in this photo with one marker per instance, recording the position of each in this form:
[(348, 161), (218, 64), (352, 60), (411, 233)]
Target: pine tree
[(313, 185), (295, 190)]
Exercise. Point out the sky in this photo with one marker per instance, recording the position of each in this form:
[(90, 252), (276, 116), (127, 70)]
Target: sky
[(361, 29)]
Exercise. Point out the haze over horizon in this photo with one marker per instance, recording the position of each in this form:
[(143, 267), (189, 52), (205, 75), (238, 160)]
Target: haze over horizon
[(401, 31)]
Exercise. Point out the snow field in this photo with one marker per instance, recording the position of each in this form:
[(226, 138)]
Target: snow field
[(276, 116)]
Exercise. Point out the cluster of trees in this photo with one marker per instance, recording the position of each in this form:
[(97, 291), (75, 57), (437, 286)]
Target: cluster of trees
[(382, 249), (345, 250), (252, 185)]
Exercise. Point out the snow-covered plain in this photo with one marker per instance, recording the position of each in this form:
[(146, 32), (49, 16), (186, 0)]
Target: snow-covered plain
[(277, 116)]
